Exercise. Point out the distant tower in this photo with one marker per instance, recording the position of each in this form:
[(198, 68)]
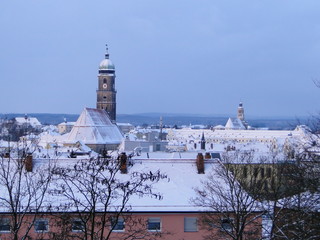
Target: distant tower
[(106, 93), (241, 112), (161, 127)]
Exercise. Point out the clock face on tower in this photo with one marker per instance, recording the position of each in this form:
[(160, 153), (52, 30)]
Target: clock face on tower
[(104, 85)]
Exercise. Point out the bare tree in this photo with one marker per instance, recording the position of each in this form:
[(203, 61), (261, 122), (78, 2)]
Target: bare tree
[(98, 191), (295, 214), (22, 191), (232, 212)]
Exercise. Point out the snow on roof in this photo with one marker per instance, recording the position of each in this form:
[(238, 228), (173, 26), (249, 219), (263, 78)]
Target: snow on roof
[(177, 189), (234, 123), (219, 126), (124, 124), (94, 127), (34, 122), (7, 144), (67, 123)]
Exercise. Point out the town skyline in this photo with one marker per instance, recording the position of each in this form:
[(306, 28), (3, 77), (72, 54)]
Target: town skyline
[(199, 58)]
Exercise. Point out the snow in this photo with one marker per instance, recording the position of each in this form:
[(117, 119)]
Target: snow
[(34, 122), (94, 127), (67, 124), (177, 189), (217, 140)]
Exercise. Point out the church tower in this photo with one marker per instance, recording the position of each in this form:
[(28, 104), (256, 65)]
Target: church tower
[(241, 112), (106, 93)]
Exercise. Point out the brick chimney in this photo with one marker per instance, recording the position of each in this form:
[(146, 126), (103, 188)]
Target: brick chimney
[(200, 163), (28, 163), (207, 156), (123, 162)]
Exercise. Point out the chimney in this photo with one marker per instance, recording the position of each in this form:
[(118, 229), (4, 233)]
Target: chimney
[(123, 162), (207, 156), (28, 163), (200, 163)]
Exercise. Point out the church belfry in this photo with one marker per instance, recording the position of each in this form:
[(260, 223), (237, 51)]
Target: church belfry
[(106, 93), (240, 112)]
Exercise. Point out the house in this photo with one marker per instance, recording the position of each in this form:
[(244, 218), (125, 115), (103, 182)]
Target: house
[(28, 122), (65, 127), (170, 215)]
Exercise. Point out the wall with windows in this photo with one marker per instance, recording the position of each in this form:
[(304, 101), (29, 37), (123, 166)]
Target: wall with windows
[(169, 226)]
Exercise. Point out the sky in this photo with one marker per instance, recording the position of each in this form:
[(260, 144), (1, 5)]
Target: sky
[(171, 56)]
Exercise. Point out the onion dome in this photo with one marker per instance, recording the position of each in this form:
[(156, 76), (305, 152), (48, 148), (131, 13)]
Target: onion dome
[(106, 66)]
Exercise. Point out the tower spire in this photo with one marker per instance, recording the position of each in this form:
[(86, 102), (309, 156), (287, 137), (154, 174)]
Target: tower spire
[(107, 52)]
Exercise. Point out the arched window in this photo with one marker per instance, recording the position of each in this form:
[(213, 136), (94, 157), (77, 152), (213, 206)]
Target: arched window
[(104, 80)]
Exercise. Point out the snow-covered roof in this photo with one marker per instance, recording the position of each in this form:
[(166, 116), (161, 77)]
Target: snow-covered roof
[(34, 122), (125, 124), (94, 127), (234, 123), (67, 123), (177, 189)]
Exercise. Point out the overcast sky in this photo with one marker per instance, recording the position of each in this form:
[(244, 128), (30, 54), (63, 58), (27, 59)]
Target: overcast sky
[(171, 56)]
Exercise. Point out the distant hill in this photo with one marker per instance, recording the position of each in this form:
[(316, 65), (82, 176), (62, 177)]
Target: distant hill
[(168, 119)]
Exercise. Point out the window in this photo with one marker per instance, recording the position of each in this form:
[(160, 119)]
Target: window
[(262, 172), (41, 225), (117, 225), (226, 224), (154, 224), (77, 225), (104, 80), (4, 225), (158, 147), (190, 224), (255, 172)]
